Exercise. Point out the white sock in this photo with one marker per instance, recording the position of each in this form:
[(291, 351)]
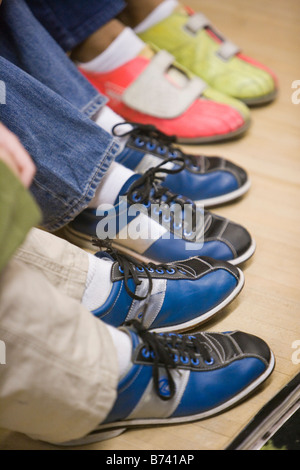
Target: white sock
[(111, 184), (123, 347), (107, 119), (98, 282), (98, 287), (123, 49), (160, 13)]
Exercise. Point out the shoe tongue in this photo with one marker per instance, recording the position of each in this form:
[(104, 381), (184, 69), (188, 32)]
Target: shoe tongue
[(176, 73), (127, 185)]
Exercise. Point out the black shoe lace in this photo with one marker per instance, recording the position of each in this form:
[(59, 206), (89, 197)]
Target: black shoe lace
[(143, 130), (130, 268), (165, 349), (149, 186), (148, 190), (149, 137)]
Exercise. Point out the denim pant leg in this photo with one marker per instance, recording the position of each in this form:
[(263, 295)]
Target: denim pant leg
[(48, 105), (71, 152), (70, 22), (25, 43)]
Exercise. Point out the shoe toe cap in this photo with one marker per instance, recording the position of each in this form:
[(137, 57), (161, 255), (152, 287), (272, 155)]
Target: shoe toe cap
[(237, 173), (240, 174), (251, 345), (238, 238), (212, 118)]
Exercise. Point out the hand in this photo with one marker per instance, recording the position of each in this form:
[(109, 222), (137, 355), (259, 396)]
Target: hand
[(15, 156)]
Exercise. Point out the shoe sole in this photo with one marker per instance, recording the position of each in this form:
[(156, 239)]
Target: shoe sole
[(112, 430), (84, 241), (218, 200), (206, 316), (216, 138), (266, 99), (247, 255)]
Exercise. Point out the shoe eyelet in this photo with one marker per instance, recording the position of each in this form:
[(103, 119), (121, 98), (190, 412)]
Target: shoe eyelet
[(189, 201), (173, 154), (177, 226), (139, 142), (145, 353), (187, 234), (210, 362), (147, 205), (150, 146), (160, 271), (161, 150), (150, 270), (166, 219), (182, 272), (194, 168), (140, 270), (157, 211), (184, 360), (195, 362), (121, 270), (136, 197), (175, 358), (171, 271), (140, 315)]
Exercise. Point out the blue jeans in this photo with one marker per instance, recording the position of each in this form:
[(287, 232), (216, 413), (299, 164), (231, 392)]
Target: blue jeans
[(70, 22), (50, 107)]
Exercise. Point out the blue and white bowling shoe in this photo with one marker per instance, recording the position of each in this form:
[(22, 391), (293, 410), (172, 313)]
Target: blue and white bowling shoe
[(208, 181), (167, 297), (175, 378), (151, 223)]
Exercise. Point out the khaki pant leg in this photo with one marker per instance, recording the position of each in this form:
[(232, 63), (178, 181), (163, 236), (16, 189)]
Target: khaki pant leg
[(61, 373), (63, 264)]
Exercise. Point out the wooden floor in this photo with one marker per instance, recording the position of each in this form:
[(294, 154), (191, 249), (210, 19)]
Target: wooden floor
[(269, 305)]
